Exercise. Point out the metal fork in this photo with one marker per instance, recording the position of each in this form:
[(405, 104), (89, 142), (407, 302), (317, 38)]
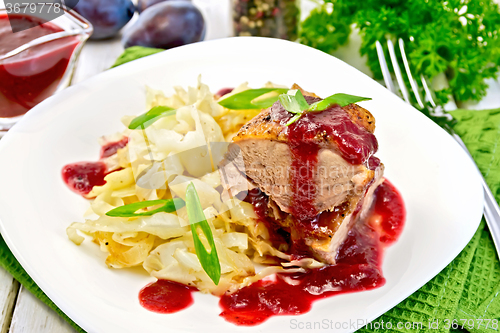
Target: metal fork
[(491, 209)]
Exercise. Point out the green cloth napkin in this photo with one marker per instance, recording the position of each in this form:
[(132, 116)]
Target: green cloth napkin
[(464, 292)]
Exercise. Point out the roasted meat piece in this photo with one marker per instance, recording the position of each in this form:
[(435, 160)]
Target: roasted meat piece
[(319, 173)]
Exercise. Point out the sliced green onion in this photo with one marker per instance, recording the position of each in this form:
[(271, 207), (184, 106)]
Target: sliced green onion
[(293, 101), (148, 118), (245, 100), (264, 103), (209, 261), (294, 119), (340, 99), (130, 210)]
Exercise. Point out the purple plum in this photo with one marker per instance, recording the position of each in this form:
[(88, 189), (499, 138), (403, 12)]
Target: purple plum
[(107, 16), (166, 25)]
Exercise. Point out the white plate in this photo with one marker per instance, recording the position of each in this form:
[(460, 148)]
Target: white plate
[(439, 184)]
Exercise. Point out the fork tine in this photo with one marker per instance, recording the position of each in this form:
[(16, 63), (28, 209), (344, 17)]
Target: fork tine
[(383, 66), (427, 91), (413, 83), (397, 71)]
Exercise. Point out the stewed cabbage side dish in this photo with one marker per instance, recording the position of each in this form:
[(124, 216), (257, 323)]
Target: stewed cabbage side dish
[(271, 198), (163, 243)]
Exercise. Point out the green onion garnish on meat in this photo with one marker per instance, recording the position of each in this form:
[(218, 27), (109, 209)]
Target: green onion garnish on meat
[(247, 99), (340, 99), (294, 102)]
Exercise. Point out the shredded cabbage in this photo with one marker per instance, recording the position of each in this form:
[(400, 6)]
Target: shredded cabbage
[(158, 163)]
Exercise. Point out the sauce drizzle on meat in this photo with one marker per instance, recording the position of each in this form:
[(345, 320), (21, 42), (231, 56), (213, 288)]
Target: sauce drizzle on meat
[(355, 144), (305, 138)]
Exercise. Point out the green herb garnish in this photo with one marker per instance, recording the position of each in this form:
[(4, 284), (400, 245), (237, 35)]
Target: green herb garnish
[(148, 118), (294, 102), (455, 39), (130, 210), (340, 99), (209, 261), (246, 100)]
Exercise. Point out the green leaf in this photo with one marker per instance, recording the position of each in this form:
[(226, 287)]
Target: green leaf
[(293, 101), (340, 99), (245, 100), (209, 261), (326, 29), (148, 118), (264, 103), (294, 119), (455, 39), (133, 53), (130, 210)]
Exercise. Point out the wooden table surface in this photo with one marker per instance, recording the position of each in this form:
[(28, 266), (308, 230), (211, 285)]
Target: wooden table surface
[(21, 312)]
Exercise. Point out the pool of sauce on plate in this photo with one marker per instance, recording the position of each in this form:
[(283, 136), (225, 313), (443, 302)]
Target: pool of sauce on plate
[(165, 296), (31, 76), (222, 92), (81, 177), (111, 148), (358, 268)]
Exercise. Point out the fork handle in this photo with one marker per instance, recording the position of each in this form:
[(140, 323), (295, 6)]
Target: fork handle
[(491, 209), (492, 215)]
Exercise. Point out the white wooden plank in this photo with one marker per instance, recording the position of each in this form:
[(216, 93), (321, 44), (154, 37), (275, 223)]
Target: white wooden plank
[(32, 315), (490, 101), (8, 292), (96, 57)]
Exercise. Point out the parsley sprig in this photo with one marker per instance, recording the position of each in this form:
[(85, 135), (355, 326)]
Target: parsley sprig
[(445, 37)]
